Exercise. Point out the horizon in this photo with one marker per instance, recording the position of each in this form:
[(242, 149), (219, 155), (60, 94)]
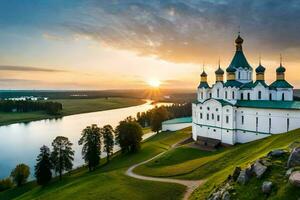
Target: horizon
[(101, 45)]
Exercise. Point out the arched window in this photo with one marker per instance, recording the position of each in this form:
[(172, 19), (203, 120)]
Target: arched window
[(201, 95), (209, 95), (227, 119), (232, 94), (270, 97), (207, 116), (259, 94), (248, 96), (282, 97), (239, 75), (242, 96), (218, 93), (226, 95)]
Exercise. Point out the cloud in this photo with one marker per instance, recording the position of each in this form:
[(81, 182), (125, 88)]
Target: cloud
[(50, 36), (189, 30), (26, 68)]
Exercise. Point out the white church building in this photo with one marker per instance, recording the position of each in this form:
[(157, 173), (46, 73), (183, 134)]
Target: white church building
[(241, 109)]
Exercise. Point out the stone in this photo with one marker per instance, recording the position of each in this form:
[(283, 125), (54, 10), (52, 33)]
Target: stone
[(226, 196), (236, 173), (267, 187), (289, 172), (216, 196), (243, 177), (294, 158), (295, 178), (259, 169), (276, 153)]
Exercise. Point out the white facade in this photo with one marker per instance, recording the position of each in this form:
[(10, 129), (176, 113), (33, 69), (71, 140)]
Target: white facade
[(241, 110)]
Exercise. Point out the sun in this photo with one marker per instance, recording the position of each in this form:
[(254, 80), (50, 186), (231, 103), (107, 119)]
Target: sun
[(154, 83)]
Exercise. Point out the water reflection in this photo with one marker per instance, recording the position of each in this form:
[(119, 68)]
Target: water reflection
[(20, 143)]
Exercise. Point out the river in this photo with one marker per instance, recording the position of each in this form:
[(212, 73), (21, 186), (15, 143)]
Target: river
[(20, 142)]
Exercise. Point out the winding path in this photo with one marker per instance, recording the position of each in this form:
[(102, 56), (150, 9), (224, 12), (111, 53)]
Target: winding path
[(190, 184)]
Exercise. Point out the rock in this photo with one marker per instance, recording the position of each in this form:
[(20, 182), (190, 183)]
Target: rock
[(236, 173), (243, 177), (259, 169), (289, 172), (295, 178), (216, 196), (276, 153), (294, 159), (267, 187), (226, 196)]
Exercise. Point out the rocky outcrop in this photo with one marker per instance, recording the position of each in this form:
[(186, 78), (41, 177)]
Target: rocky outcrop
[(243, 177), (221, 193), (294, 159), (259, 169), (295, 178), (276, 153), (267, 187), (236, 173)]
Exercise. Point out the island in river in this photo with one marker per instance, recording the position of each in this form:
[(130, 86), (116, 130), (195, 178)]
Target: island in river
[(71, 107)]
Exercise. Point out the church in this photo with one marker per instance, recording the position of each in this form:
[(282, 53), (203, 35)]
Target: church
[(241, 109)]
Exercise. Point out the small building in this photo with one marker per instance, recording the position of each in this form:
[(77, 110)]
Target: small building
[(176, 124)]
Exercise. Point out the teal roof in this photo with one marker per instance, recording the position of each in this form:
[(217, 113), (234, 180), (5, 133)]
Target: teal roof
[(230, 69), (280, 69), (247, 86), (239, 60), (223, 102), (260, 69), (280, 84), (291, 105), (178, 120), (233, 83), (203, 85), (219, 71), (261, 82)]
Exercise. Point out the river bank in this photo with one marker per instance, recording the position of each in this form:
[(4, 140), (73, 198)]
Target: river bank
[(71, 107)]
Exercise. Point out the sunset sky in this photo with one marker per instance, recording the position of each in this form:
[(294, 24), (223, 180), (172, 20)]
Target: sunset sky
[(122, 44)]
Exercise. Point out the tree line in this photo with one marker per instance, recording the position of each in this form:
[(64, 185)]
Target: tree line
[(50, 107), (94, 141), (154, 117)]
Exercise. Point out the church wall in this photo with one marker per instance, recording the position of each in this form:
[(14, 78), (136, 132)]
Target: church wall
[(218, 86), (264, 93)]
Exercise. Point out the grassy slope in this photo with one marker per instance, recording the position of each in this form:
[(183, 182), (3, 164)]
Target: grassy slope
[(109, 181), (71, 106), (189, 163)]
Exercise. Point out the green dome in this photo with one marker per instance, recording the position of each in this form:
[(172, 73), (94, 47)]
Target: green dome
[(280, 69), (203, 74), (219, 71), (230, 69), (260, 69)]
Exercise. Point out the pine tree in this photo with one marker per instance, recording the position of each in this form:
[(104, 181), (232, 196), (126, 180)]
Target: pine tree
[(43, 166), (108, 140)]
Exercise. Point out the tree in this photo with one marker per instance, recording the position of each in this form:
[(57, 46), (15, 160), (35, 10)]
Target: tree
[(108, 139), (6, 184), (129, 135), (91, 150), (43, 166), (159, 115), (62, 155), (20, 174)]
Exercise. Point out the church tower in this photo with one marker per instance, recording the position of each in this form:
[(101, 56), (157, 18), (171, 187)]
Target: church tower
[(219, 74), (203, 88)]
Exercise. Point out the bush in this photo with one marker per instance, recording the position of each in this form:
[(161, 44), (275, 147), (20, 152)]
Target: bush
[(20, 174), (6, 184)]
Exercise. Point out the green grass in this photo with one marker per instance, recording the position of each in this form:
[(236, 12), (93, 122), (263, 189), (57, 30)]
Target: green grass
[(70, 107), (108, 181), (190, 163)]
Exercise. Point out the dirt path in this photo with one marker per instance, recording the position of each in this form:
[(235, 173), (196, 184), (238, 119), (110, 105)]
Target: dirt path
[(190, 184)]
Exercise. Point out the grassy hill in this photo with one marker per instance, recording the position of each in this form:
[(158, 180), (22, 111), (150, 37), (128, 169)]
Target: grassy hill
[(108, 181), (190, 163)]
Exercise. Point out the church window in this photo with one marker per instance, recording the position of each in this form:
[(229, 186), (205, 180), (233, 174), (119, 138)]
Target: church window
[(282, 97), (217, 109), (200, 107), (242, 96), (218, 93), (227, 119), (259, 94), (207, 116), (256, 123), (201, 95), (270, 96), (232, 94), (239, 75), (218, 117), (209, 95), (212, 116), (200, 115), (270, 124), (225, 94), (242, 119), (287, 124), (208, 108), (248, 96)]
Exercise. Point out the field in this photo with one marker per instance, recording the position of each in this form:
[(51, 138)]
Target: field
[(108, 181), (70, 107), (190, 163)]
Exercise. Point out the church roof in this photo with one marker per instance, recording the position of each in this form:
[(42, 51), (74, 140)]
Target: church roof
[(221, 101), (203, 85), (291, 105), (280, 84), (219, 71), (233, 83), (261, 82), (178, 120), (280, 69), (260, 69)]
